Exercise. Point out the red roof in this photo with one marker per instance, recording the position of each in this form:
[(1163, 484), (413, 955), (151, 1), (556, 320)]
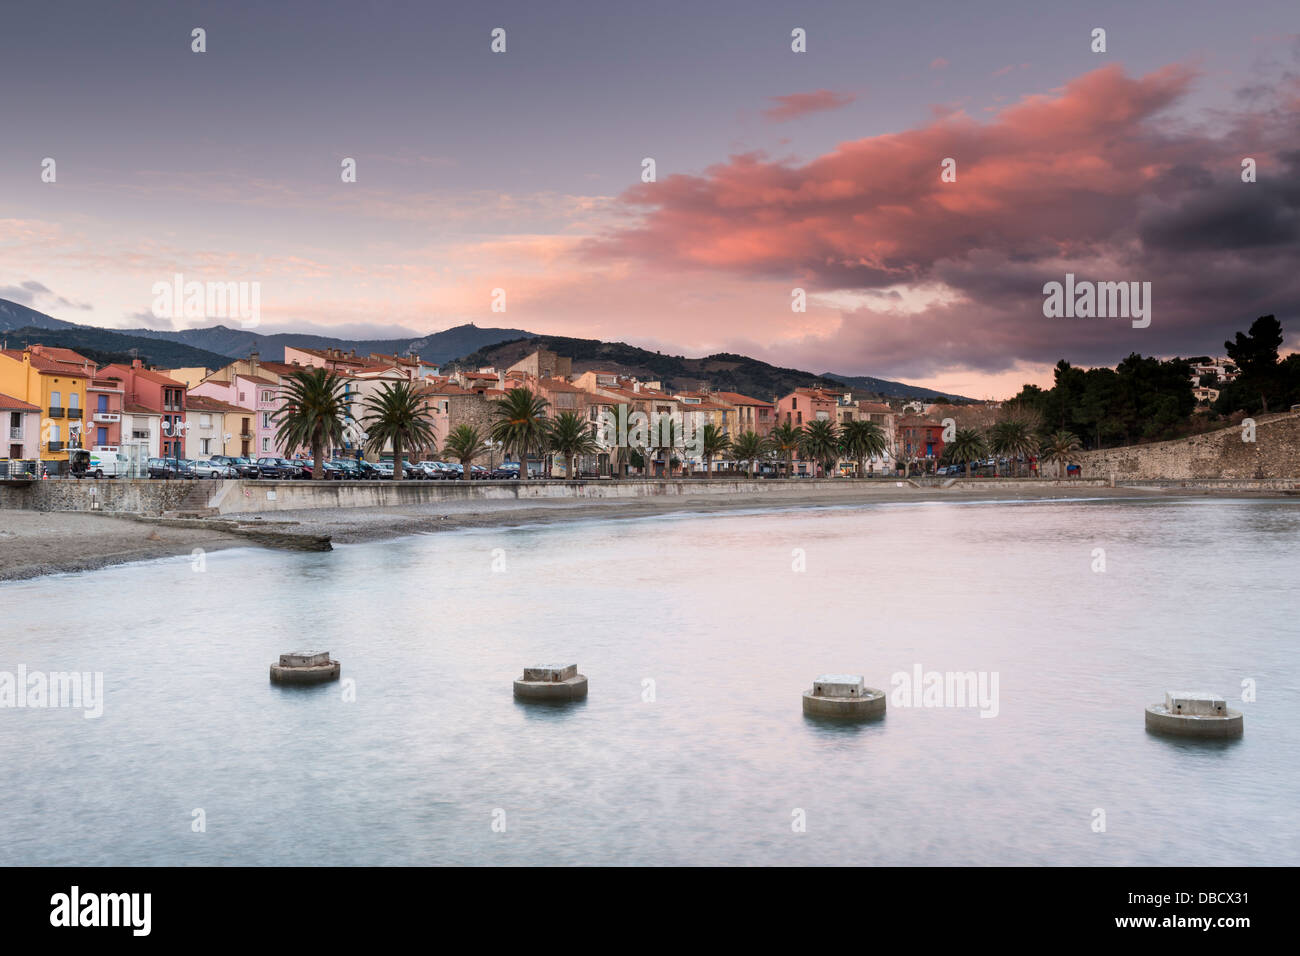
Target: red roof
[(202, 403), (735, 398), (11, 404), (43, 363)]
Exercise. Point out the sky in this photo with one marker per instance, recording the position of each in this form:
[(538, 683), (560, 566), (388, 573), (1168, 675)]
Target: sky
[(774, 170)]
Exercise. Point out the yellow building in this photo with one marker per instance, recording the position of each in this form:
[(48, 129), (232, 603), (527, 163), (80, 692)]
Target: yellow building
[(190, 376), (55, 380)]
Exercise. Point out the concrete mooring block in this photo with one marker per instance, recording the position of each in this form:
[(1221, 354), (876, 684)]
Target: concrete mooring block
[(551, 682), (843, 695), (1194, 714), (305, 667)]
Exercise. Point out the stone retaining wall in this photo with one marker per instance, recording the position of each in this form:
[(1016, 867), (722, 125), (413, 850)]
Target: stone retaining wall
[(1275, 453), (130, 495)]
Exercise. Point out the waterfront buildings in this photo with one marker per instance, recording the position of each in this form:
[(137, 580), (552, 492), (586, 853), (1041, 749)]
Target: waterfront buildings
[(22, 427), (234, 410), (55, 381), (153, 392)]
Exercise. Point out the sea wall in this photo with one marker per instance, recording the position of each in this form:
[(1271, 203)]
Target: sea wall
[(157, 497), (132, 496), (1273, 454), (258, 496)]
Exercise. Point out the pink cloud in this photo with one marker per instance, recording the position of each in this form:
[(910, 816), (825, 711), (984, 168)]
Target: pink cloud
[(1095, 179), (938, 63), (795, 105)]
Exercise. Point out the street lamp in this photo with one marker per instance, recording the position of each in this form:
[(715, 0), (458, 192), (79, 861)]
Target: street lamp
[(492, 447)]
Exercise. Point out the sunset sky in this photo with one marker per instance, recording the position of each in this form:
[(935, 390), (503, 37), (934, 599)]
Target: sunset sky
[(775, 170)]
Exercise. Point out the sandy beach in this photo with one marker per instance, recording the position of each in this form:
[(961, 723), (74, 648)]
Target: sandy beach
[(33, 543), (37, 543)]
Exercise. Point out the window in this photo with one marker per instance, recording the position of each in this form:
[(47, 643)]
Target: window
[(205, 446), (266, 444), (266, 395), (55, 434), (74, 400), (266, 419), (241, 396), (102, 405), (56, 399), (205, 421), (101, 436)]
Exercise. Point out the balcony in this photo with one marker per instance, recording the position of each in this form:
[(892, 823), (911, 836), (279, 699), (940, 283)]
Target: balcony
[(57, 411), (106, 417), (15, 434), (57, 445)]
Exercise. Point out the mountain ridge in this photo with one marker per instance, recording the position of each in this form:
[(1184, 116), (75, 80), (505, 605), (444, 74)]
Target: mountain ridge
[(463, 345)]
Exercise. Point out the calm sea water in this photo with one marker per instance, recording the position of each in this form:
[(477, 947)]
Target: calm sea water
[(719, 765)]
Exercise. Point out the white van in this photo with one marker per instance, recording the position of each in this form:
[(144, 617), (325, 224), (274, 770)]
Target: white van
[(108, 464)]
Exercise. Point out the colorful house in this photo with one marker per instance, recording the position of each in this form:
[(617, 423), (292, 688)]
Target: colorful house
[(23, 422), (155, 392), (54, 380)]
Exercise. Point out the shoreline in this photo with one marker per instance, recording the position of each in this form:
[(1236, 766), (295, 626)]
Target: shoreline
[(34, 544)]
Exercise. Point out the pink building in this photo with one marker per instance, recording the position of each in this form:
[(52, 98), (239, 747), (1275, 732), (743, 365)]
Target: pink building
[(156, 392), (104, 400), (257, 395), (805, 405)]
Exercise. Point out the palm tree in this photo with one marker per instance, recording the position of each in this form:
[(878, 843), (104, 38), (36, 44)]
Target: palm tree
[(967, 445), (311, 413), (821, 443), (663, 437), (464, 444), (398, 413), (521, 425), (1014, 438), (1060, 447), (714, 442), (862, 440), (571, 436), (785, 439), (748, 447)]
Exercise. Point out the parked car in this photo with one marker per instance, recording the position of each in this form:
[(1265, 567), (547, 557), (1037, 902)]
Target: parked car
[(347, 468), (214, 469), (269, 467), (501, 473), (159, 468), (185, 468), (383, 469), (243, 467)]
